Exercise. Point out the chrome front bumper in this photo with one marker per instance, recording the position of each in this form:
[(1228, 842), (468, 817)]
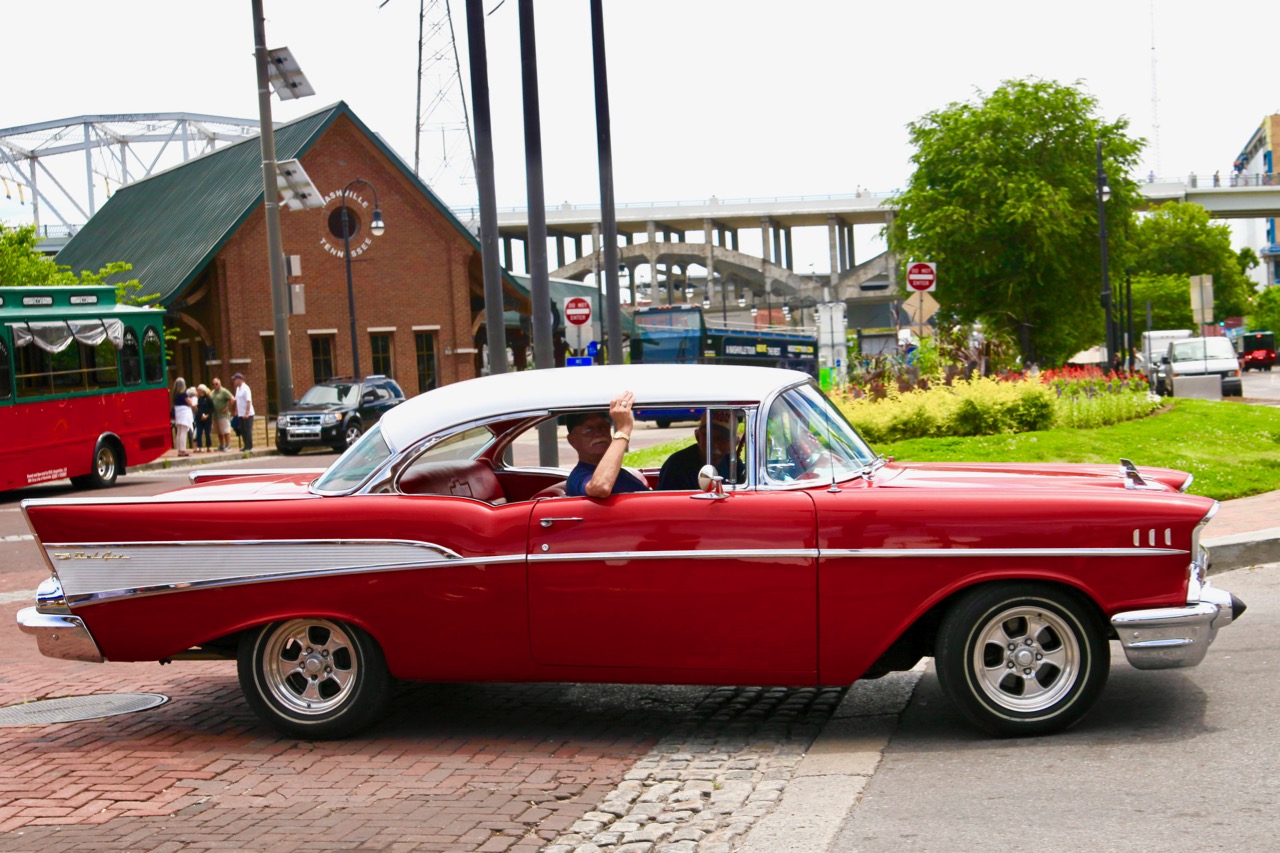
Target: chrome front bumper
[(59, 635), (1168, 637)]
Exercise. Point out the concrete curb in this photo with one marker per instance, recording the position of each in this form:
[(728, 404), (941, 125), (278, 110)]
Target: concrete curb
[(1239, 550), (169, 463), (836, 770)]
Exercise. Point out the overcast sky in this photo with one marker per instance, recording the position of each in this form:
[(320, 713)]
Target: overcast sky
[(709, 97)]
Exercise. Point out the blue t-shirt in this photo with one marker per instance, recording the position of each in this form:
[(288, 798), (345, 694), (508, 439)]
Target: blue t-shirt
[(581, 474)]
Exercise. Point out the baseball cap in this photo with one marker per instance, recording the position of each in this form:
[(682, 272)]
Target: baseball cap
[(237, 376)]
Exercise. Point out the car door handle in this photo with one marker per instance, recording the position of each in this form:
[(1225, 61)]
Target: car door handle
[(547, 522)]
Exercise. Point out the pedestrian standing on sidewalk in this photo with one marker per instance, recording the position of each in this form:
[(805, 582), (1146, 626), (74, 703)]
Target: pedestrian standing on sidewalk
[(183, 417), (204, 419), (222, 410), (244, 409)]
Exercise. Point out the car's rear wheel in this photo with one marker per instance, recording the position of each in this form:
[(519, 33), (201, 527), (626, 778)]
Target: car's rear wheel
[(1022, 659), (314, 678)]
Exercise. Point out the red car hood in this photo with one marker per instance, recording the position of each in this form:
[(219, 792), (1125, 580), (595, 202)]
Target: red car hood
[(1011, 475)]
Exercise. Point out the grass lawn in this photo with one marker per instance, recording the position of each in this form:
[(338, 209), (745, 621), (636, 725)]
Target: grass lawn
[(1233, 449)]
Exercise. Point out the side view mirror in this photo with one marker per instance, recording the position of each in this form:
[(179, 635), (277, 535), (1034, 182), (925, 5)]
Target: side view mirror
[(710, 481)]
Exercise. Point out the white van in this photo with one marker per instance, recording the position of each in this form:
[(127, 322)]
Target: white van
[(1204, 357), (1155, 346)]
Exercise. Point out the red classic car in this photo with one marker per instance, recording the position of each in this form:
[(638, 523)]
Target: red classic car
[(435, 549)]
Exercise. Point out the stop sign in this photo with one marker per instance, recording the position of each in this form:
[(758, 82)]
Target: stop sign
[(577, 311), (922, 276)]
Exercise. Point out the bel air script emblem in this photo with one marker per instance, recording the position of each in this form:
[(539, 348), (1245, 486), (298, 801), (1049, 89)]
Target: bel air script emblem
[(89, 555)]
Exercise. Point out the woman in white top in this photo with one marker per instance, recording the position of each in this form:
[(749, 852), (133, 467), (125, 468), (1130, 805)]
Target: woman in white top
[(183, 416)]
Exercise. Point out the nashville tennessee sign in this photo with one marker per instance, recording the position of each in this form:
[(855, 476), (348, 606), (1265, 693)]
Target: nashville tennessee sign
[(353, 200)]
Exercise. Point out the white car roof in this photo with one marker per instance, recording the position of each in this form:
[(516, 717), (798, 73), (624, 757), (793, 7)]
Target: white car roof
[(577, 388)]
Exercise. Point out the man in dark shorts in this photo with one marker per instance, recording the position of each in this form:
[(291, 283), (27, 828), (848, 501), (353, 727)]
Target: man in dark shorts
[(601, 440), (680, 471)]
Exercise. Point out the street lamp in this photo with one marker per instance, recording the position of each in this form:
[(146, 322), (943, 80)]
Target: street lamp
[(376, 227), (1104, 193)]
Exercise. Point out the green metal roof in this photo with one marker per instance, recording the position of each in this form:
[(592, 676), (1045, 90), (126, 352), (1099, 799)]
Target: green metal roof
[(170, 225)]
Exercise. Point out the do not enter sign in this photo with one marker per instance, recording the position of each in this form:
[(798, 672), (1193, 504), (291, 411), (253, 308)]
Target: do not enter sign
[(577, 311), (922, 276)]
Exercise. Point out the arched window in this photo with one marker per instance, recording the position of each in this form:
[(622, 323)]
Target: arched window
[(130, 359), (152, 356)]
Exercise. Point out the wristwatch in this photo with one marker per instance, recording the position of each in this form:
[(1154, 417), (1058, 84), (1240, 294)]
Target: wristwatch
[(624, 437)]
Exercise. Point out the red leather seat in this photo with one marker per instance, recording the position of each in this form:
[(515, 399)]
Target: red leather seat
[(460, 478)]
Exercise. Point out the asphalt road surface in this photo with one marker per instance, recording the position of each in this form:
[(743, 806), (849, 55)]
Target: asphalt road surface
[(1262, 384), (1182, 759)]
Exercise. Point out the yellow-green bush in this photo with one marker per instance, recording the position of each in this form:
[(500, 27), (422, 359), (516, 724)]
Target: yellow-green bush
[(988, 406)]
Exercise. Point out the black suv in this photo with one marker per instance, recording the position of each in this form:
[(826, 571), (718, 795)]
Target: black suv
[(335, 413)]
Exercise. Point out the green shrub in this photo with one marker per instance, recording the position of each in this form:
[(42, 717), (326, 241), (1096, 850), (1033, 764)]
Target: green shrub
[(991, 406)]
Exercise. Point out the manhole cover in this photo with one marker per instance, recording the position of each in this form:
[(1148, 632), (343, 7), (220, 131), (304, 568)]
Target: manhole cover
[(69, 709)]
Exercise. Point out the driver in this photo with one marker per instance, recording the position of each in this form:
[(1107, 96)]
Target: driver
[(680, 471), (601, 441)]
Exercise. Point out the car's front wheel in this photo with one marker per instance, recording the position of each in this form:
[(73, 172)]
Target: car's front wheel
[(314, 678), (350, 435), (1022, 659)]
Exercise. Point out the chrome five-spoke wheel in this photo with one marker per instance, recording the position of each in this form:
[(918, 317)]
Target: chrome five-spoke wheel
[(314, 677), (1022, 658)]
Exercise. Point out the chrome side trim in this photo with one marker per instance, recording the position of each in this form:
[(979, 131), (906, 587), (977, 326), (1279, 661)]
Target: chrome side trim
[(881, 553), (60, 636), (727, 553), (100, 570), (846, 553)]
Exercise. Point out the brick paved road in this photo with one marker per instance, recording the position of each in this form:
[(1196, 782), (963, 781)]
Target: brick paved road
[(455, 767)]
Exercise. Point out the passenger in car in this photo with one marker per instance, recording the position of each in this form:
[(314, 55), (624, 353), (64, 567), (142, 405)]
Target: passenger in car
[(601, 440), (680, 471)]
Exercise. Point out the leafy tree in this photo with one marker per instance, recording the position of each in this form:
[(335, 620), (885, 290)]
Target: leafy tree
[(1178, 239), (1004, 200), (1266, 311), (1170, 302), (23, 265)]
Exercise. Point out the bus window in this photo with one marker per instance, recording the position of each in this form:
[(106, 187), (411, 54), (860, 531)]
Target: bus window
[(152, 357), (102, 367), (68, 368), (6, 373), (131, 359), (34, 374)]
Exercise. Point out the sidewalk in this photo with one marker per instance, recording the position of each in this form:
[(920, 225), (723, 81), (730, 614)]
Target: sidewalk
[(263, 445), (1245, 532)]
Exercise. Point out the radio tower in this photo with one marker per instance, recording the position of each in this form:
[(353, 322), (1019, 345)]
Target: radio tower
[(443, 151), (1155, 98)]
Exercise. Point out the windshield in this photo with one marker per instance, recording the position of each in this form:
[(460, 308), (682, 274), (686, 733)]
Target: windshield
[(808, 439), (331, 395), (354, 467), (1199, 349), (666, 321)]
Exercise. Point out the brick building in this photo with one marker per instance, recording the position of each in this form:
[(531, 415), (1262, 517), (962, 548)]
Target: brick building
[(196, 237)]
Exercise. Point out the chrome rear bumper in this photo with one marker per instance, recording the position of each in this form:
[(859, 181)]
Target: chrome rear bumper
[(59, 635), (1168, 637)]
